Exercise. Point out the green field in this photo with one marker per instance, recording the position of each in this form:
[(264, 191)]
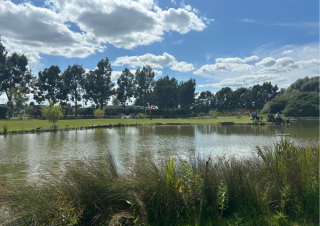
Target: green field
[(28, 125)]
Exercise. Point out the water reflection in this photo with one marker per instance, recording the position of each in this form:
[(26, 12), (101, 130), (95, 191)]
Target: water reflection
[(26, 156)]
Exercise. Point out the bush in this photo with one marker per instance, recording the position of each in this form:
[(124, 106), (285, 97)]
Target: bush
[(140, 116), (98, 113), (213, 114), (295, 105)]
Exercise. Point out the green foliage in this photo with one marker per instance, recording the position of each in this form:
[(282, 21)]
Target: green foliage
[(296, 104), (222, 197), (52, 113), (304, 85), (73, 78), (140, 116), (126, 87), (98, 85), (49, 85), (213, 114), (191, 183), (98, 113), (187, 94)]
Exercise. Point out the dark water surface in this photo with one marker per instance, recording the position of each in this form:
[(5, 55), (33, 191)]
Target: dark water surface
[(26, 156)]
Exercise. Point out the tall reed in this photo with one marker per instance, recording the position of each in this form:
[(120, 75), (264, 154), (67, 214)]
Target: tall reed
[(276, 186)]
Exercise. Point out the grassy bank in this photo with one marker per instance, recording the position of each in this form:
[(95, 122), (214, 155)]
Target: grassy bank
[(272, 187), (29, 125)]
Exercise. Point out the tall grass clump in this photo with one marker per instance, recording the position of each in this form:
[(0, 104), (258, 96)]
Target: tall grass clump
[(275, 187)]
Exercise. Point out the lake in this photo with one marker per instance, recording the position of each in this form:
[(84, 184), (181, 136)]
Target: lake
[(26, 156)]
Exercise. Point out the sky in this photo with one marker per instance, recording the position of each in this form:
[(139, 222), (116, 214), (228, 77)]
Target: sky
[(219, 43)]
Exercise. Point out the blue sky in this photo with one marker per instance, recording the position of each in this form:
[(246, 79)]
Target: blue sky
[(219, 42)]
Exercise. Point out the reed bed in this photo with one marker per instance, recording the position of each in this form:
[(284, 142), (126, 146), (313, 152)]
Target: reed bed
[(278, 186)]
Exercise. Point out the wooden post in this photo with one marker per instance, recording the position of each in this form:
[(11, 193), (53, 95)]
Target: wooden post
[(204, 180)]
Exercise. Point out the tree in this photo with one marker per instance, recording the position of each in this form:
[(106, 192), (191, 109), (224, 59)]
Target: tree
[(166, 93), (205, 100), (238, 98), (98, 84), (49, 85), (52, 113), (187, 94), (304, 85), (126, 87), (73, 78), (144, 82), (14, 73), (115, 101), (223, 99)]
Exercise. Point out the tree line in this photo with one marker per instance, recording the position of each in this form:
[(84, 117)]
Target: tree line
[(75, 85)]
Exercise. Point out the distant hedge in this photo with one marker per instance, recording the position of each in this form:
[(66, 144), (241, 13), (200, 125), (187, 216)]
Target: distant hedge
[(299, 104)]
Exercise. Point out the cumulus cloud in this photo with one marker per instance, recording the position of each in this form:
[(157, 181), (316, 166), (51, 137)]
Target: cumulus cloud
[(182, 66), (123, 23), (150, 59), (160, 61), (224, 67)]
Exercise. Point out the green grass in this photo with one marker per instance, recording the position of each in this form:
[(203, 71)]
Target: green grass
[(273, 187), (32, 124)]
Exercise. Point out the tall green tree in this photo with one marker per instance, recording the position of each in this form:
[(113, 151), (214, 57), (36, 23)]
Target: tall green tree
[(126, 87), (238, 98), (166, 93), (98, 85), (49, 86), (14, 73), (205, 101), (223, 99), (305, 84), (187, 94), (144, 83), (73, 78)]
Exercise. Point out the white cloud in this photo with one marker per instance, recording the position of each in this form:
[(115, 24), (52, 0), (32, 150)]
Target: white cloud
[(246, 80), (123, 23), (182, 66), (187, 7), (224, 67), (237, 59), (273, 67), (152, 60), (287, 52), (164, 60), (173, 2)]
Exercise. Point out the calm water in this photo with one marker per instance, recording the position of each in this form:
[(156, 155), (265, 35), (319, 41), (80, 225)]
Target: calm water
[(26, 156)]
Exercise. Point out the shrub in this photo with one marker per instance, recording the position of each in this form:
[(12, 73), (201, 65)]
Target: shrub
[(140, 116), (213, 114), (98, 113), (52, 113)]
